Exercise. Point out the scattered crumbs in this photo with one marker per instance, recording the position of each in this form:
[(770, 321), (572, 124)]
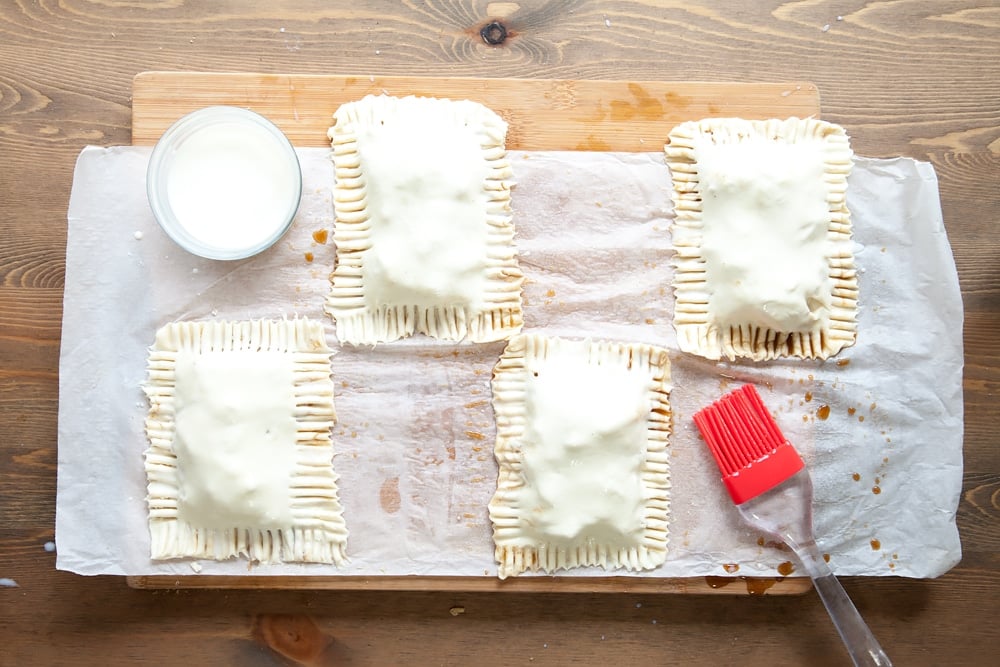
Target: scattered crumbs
[(49, 546), (607, 22), (856, 477), (371, 77), (861, 418), (840, 18), (377, 52), (653, 621), (638, 604), (196, 567), (456, 611), (843, 362), (878, 480), (602, 638), (194, 270), (281, 30), (895, 556), (545, 645), (641, 140), (882, 249), (871, 408), (825, 28), (215, 312), (786, 93), (137, 236), (876, 545), (551, 293), (8, 583)]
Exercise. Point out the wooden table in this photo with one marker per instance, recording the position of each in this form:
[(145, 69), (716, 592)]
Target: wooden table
[(912, 77)]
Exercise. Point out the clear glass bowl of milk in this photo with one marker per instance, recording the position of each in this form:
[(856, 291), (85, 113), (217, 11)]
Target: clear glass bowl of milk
[(224, 183)]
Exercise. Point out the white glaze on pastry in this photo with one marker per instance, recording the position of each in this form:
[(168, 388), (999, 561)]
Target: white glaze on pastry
[(764, 239)]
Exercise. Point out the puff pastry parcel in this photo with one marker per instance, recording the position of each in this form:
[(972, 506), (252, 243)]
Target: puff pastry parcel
[(240, 457), (582, 448), (764, 259), (424, 233)]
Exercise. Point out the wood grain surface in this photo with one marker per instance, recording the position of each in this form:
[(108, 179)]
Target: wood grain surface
[(919, 78)]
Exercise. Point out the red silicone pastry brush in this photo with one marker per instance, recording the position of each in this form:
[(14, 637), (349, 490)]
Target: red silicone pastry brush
[(772, 490)]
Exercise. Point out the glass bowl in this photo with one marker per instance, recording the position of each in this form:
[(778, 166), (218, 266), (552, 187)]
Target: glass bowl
[(224, 183)]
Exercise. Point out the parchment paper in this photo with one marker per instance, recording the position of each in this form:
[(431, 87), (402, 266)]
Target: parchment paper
[(414, 441)]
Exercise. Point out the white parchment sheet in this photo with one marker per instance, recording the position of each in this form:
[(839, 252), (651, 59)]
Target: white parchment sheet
[(414, 439)]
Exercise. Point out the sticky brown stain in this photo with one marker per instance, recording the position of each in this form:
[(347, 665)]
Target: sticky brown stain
[(713, 109), (731, 568), (475, 435), (851, 411), (843, 362), (876, 545), (551, 293), (786, 568), (876, 490), (892, 566), (718, 582), (856, 477), (759, 586), (388, 495), (309, 257), (320, 236), (642, 106), (451, 452), (592, 143), (295, 637), (805, 418), (678, 100), (878, 480), (826, 557), (650, 320), (823, 412), (808, 396), (475, 404), (760, 541), (861, 418)]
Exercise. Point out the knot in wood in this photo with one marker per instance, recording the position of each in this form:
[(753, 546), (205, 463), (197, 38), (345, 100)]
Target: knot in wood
[(494, 33)]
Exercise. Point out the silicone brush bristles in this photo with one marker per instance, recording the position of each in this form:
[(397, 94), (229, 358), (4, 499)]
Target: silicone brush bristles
[(747, 444)]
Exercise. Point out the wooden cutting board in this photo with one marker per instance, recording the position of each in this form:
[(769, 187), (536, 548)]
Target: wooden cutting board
[(542, 115)]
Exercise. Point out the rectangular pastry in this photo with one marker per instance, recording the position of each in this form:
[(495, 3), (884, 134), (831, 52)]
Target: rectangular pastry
[(424, 236), (762, 233), (240, 456), (581, 444)]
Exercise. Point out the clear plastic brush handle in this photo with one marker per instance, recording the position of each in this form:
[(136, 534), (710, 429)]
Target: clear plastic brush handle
[(786, 512)]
